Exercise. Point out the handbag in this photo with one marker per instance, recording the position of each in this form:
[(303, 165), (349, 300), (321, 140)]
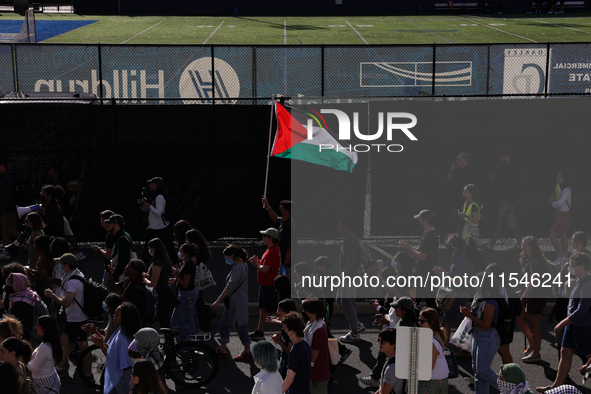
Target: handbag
[(446, 297), (227, 298), (462, 338), (333, 350), (450, 359), (203, 277)]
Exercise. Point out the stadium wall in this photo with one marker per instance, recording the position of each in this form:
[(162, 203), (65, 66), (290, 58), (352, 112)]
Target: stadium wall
[(268, 7), (213, 158)]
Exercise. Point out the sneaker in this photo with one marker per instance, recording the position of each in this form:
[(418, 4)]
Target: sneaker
[(221, 353), (369, 381), (257, 336), (80, 256), (345, 355), (532, 358), (77, 379), (487, 248), (350, 337), (515, 248), (586, 374), (469, 379), (243, 356), (528, 351), (4, 255), (360, 328)]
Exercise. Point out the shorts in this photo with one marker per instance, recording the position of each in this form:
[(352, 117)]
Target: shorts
[(535, 306), (67, 229), (561, 222), (8, 219), (268, 298), (577, 338), (504, 208), (75, 332)]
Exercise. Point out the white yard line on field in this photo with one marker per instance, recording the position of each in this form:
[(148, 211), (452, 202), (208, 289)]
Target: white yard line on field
[(502, 31), (142, 32), (350, 25), (211, 35), (428, 31), (284, 32), (559, 25)]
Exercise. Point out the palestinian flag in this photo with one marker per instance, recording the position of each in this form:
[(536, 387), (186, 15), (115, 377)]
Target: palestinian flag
[(291, 140)]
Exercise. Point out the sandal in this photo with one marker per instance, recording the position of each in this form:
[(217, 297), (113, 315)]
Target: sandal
[(543, 389), (221, 353), (243, 356)]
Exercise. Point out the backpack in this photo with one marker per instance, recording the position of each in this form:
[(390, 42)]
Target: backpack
[(504, 326), (170, 213), (39, 309), (94, 295), (148, 308)]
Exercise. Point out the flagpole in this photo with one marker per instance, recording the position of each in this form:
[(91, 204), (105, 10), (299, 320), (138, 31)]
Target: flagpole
[(269, 146)]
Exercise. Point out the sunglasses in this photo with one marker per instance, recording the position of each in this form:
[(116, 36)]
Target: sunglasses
[(421, 321)]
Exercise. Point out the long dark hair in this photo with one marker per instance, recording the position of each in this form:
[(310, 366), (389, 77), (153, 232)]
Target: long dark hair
[(536, 252), (131, 321), (195, 237), (52, 336), (180, 229), (149, 378), (236, 251), (42, 243), (160, 254), (8, 378), (474, 190), (21, 348)]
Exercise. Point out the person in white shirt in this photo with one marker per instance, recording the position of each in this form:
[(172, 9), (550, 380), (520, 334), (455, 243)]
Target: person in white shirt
[(268, 381), (429, 318), (158, 226), (46, 356), (71, 298), (561, 202)]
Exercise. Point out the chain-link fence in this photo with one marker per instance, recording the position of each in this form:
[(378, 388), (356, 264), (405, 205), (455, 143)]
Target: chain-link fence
[(230, 74)]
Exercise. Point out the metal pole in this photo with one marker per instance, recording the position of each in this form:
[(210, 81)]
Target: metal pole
[(433, 79), (547, 69), (254, 75), (14, 69), (212, 76), (413, 382), (100, 71), (322, 69)]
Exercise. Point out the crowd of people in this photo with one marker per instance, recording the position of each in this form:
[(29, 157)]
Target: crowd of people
[(45, 312)]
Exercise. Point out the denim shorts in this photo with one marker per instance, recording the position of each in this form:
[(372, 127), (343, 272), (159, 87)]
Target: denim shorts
[(577, 338)]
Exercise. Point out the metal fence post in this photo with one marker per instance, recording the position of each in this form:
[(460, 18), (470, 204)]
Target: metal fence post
[(212, 76), (547, 69), (433, 80), (14, 69), (322, 70), (100, 71), (254, 74)]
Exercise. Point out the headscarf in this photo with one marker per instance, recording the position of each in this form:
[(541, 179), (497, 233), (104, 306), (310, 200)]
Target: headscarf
[(147, 343), (22, 291), (515, 382)]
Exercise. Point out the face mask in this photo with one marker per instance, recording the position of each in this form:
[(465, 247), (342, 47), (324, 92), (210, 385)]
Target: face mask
[(59, 267), (572, 271), (505, 387), (394, 264), (180, 255), (150, 252), (229, 261), (105, 306)]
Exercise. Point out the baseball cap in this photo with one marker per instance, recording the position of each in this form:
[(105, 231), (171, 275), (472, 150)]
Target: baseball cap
[(404, 303), (272, 232), (157, 180), (116, 219), (67, 258), (424, 214)]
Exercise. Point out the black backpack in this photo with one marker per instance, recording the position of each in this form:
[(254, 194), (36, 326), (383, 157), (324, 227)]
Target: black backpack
[(94, 295), (170, 213), (504, 326)]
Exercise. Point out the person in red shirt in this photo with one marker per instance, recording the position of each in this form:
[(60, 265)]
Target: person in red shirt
[(267, 269), (316, 334)]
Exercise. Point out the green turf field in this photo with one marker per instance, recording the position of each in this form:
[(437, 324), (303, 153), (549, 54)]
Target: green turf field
[(326, 30)]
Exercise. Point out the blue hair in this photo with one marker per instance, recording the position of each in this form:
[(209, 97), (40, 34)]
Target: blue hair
[(265, 354)]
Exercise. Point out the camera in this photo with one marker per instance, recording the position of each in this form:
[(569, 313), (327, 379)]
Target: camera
[(143, 197)]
